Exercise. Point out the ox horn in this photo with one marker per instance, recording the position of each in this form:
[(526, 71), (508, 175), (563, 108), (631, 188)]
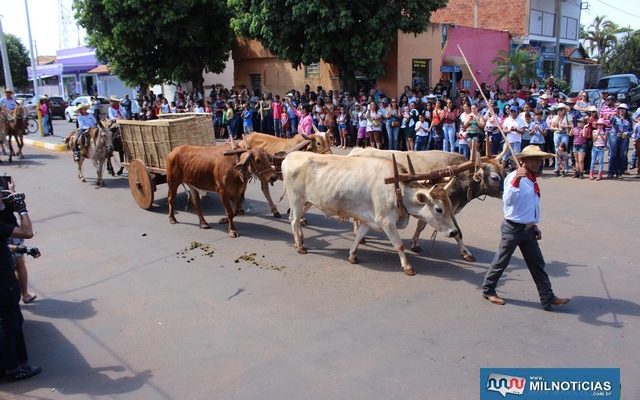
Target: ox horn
[(305, 136), (410, 165), (449, 185)]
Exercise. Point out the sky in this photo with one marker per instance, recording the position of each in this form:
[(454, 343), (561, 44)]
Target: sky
[(45, 16)]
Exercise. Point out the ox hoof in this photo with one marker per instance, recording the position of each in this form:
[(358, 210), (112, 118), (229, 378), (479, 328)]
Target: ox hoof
[(276, 215), (173, 221), (416, 249), (240, 212), (21, 156), (302, 250), (204, 225), (409, 271), (304, 222), (224, 220), (100, 183), (354, 259), (469, 257), (83, 180), (363, 241), (233, 234)]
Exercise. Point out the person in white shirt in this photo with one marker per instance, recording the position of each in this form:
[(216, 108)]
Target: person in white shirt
[(516, 101), (514, 127), (422, 133), (521, 210)]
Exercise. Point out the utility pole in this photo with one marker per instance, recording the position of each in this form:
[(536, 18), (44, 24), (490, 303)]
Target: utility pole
[(33, 57), (8, 82), (557, 34)]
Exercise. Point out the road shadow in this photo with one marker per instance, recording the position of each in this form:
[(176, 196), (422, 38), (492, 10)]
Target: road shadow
[(65, 369), (592, 310), (62, 309), (554, 268)]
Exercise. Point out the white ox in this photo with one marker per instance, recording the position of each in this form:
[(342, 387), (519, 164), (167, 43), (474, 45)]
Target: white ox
[(488, 182), (353, 187)]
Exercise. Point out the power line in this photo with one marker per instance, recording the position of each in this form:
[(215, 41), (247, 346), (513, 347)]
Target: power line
[(619, 9)]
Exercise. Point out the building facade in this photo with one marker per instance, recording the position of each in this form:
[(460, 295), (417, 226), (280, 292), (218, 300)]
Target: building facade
[(531, 23)]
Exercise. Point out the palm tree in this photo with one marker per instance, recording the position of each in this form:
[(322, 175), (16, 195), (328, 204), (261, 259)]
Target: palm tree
[(517, 67), (601, 36)]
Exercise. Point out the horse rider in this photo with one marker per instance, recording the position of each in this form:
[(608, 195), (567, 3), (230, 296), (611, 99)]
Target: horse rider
[(86, 122), (8, 102), (115, 111)]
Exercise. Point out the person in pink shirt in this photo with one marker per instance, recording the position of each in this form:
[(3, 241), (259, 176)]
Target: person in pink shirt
[(608, 109), (305, 126), (276, 108)]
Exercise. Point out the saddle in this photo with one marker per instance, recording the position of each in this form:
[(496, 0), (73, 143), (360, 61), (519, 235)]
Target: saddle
[(85, 138)]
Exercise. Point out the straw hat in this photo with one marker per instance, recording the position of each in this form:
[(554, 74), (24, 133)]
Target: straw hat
[(562, 105), (544, 96), (592, 109), (81, 106), (9, 90), (623, 105), (534, 151), (114, 98)]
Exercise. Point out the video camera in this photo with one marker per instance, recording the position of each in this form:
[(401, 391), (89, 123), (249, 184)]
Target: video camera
[(32, 251)]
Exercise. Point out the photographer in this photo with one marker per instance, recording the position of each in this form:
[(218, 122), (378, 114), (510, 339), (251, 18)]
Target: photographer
[(12, 344)]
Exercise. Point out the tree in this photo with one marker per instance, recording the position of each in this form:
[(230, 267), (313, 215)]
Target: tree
[(18, 62), (517, 67), (149, 42), (353, 35), (623, 58), (601, 36)]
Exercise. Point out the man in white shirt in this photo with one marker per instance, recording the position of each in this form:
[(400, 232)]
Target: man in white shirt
[(515, 100), (521, 210), (514, 127)]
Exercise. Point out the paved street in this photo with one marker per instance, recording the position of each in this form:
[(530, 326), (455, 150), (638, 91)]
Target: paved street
[(125, 312)]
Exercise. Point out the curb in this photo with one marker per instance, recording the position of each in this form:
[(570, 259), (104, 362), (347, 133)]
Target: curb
[(46, 145)]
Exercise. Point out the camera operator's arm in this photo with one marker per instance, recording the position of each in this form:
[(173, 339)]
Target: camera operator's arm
[(25, 230)]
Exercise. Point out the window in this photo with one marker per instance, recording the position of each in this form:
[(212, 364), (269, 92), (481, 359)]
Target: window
[(541, 23), (312, 70), (420, 72), (569, 28)]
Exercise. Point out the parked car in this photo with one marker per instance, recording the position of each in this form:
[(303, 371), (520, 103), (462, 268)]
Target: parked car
[(625, 87), (57, 106), (27, 100), (70, 111), (593, 95)]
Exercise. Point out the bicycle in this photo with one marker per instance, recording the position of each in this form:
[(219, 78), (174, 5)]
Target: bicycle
[(32, 123)]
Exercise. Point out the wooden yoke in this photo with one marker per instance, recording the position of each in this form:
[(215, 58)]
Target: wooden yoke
[(429, 176)]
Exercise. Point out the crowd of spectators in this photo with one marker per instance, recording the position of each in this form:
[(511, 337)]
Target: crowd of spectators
[(577, 131)]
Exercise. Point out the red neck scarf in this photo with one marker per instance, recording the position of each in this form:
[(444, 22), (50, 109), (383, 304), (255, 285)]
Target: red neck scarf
[(532, 177)]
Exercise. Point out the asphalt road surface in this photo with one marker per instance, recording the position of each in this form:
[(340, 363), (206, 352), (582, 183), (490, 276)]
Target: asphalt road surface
[(125, 312)]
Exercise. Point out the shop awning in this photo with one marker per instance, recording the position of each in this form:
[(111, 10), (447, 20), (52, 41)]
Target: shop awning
[(77, 59), (100, 69), (45, 71)]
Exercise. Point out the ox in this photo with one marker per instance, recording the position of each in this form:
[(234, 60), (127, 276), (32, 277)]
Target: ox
[(486, 180), (274, 145), (353, 187), (208, 169)]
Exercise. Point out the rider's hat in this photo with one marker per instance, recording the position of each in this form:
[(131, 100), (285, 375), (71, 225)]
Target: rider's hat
[(114, 98), (81, 106), (8, 90)]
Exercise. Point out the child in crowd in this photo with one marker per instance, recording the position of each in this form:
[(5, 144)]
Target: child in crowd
[(463, 144), (579, 147), (597, 152), (247, 119), (285, 124), (363, 136), (408, 132), (563, 156), (422, 133), (342, 127)]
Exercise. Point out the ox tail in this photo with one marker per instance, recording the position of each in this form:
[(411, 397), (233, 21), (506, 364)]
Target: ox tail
[(284, 192)]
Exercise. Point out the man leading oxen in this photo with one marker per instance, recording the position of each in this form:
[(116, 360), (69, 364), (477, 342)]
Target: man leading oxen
[(486, 179), (354, 187)]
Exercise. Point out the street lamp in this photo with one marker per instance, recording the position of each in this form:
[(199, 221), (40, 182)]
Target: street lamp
[(8, 82), (33, 59)]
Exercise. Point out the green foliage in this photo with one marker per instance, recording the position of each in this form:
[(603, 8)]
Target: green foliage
[(563, 85), (623, 58), (601, 36), (18, 62), (518, 67), (353, 35), (154, 41)]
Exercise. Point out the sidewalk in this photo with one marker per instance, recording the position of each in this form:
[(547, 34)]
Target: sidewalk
[(45, 142)]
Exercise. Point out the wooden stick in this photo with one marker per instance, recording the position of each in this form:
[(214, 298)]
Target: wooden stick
[(513, 155), (431, 175)]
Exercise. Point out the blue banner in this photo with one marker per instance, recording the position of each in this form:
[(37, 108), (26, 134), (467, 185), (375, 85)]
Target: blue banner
[(549, 383)]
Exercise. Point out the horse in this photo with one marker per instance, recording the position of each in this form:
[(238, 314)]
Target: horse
[(117, 145), (16, 127), (97, 146)]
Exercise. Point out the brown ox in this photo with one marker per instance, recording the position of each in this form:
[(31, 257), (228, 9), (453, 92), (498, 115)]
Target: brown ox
[(274, 145), (208, 169)]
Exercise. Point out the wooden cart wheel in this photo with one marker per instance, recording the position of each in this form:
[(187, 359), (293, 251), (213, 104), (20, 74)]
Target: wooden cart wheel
[(140, 184)]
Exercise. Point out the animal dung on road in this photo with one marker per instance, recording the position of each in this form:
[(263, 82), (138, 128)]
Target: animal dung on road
[(206, 249), (252, 259)]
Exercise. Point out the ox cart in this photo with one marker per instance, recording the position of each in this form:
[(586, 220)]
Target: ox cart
[(147, 144)]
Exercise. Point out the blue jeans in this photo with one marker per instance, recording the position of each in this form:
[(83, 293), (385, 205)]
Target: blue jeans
[(463, 149), (392, 135), (45, 124), (516, 149), (613, 144), (561, 137), (597, 155), (277, 127), (449, 139), (422, 143), (496, 143)]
